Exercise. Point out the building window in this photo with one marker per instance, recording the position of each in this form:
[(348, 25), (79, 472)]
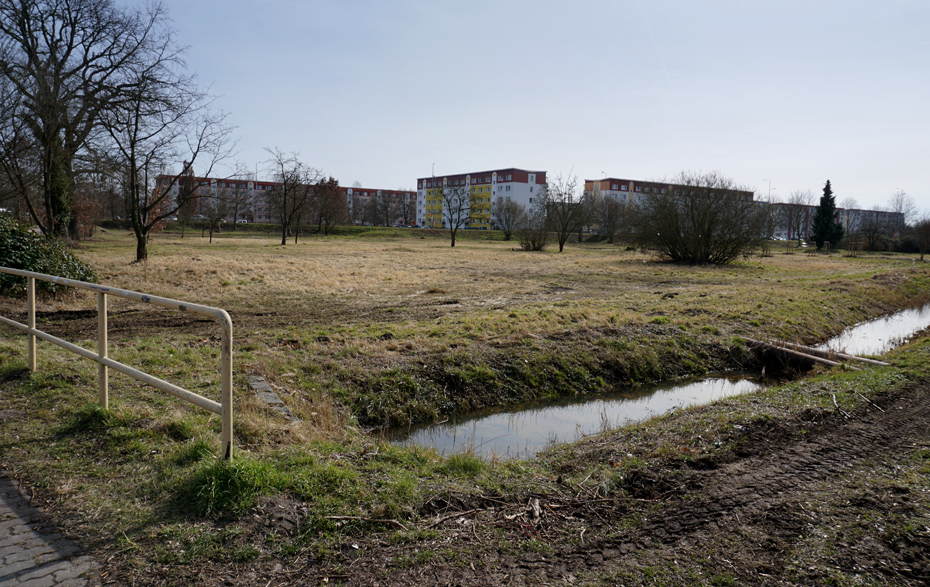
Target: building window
[(639, 188), (623, 187)]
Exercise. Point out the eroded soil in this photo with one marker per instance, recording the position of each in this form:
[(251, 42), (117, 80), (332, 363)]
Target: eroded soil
[(823, 498)]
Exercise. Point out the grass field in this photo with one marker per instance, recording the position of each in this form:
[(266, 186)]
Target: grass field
[(365, 331)]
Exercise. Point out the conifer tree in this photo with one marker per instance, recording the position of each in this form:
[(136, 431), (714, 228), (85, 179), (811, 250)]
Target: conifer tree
[(825, 227)]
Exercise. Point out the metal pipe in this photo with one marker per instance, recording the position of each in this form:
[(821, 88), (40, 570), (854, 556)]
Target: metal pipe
[(31, 320), (102, 376), (224, 408)]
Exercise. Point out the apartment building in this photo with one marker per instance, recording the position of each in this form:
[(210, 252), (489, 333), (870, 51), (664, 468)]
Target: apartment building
[(795, 221), (380, 206), (484, 189), (250, 200), (633, 191)]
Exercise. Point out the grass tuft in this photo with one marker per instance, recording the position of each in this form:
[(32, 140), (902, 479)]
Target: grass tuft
[(219, 487)]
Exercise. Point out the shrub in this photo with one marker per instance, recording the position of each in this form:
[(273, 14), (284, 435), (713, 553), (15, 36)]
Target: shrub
[(20, 248), (701, 218)]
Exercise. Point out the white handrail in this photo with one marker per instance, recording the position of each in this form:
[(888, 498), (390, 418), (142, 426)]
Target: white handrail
[(224, 408)]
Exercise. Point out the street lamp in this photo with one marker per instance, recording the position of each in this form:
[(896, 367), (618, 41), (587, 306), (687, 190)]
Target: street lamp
[(770, 187)]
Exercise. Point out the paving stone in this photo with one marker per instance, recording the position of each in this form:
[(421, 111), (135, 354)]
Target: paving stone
[(32, 553), (46, 581), (77, 568)]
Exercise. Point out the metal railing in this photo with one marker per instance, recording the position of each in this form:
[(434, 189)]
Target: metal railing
[(224, 408)]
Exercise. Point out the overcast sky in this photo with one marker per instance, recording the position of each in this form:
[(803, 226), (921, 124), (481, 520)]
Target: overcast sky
[(776, 94)]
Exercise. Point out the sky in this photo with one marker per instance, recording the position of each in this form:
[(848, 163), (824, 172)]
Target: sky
[(778, 95)]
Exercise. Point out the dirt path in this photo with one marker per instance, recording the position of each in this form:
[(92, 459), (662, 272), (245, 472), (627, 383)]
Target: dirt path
[(800, 502)]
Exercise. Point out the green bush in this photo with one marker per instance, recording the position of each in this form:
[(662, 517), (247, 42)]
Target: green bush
[(20, 248)]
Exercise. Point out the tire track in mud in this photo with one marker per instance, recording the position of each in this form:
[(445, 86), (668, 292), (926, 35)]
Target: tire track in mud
[(752, 488)]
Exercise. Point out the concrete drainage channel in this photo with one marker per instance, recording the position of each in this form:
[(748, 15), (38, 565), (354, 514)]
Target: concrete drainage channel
[(268, 396)]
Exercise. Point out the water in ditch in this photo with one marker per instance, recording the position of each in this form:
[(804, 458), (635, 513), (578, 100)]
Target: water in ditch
[(519, 432), (877, 337)]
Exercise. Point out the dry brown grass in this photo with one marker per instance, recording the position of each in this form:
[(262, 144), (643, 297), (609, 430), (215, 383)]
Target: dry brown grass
[(338, 312)]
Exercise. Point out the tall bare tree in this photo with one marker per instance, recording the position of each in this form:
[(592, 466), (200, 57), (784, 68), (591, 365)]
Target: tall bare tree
[(407, 207), (290, 196), (612, 218), (385, 209), (798, 211), (67, 60), (329, 205), (508, 215), (159, 118), (455, 207), (566, 211), (904, 204)]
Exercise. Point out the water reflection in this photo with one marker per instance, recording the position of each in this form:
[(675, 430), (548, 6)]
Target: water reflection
[(522, 431), (877, 337)]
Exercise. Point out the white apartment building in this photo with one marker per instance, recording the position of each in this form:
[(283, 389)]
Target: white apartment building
[(484, 189)]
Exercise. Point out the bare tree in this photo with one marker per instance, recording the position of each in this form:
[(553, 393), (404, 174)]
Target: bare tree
[(708, 221), (68, 61), (215, 207), (904, 204), (456, 202), (357, 212), (798, 209), (533, 227), (612, 218), (874, 228), (922, 234), (329, 205), (407, 207), (385, 208), (20, 159), (508, 215), (160, 117), (291, 194), (849, 203), (566, 212), (239, 197)]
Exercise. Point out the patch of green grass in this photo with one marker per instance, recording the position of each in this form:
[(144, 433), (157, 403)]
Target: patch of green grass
[(218, 486)]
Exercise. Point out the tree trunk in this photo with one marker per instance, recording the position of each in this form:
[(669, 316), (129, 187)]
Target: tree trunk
[(142, 252)]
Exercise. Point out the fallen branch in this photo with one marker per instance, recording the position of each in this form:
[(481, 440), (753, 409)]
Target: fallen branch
[(769, 347), (838, 408), (829, 354), (368, 520), (877, 407), (450, 516)]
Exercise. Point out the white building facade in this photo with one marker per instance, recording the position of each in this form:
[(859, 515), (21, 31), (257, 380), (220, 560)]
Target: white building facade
[(484, 189)]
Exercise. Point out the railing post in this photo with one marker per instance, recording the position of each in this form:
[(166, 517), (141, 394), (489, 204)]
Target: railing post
[(226, 394), (31, 322), (102, 382)]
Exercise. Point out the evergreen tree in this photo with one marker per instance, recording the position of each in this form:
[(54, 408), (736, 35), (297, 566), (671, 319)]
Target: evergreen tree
[(825, 227)]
